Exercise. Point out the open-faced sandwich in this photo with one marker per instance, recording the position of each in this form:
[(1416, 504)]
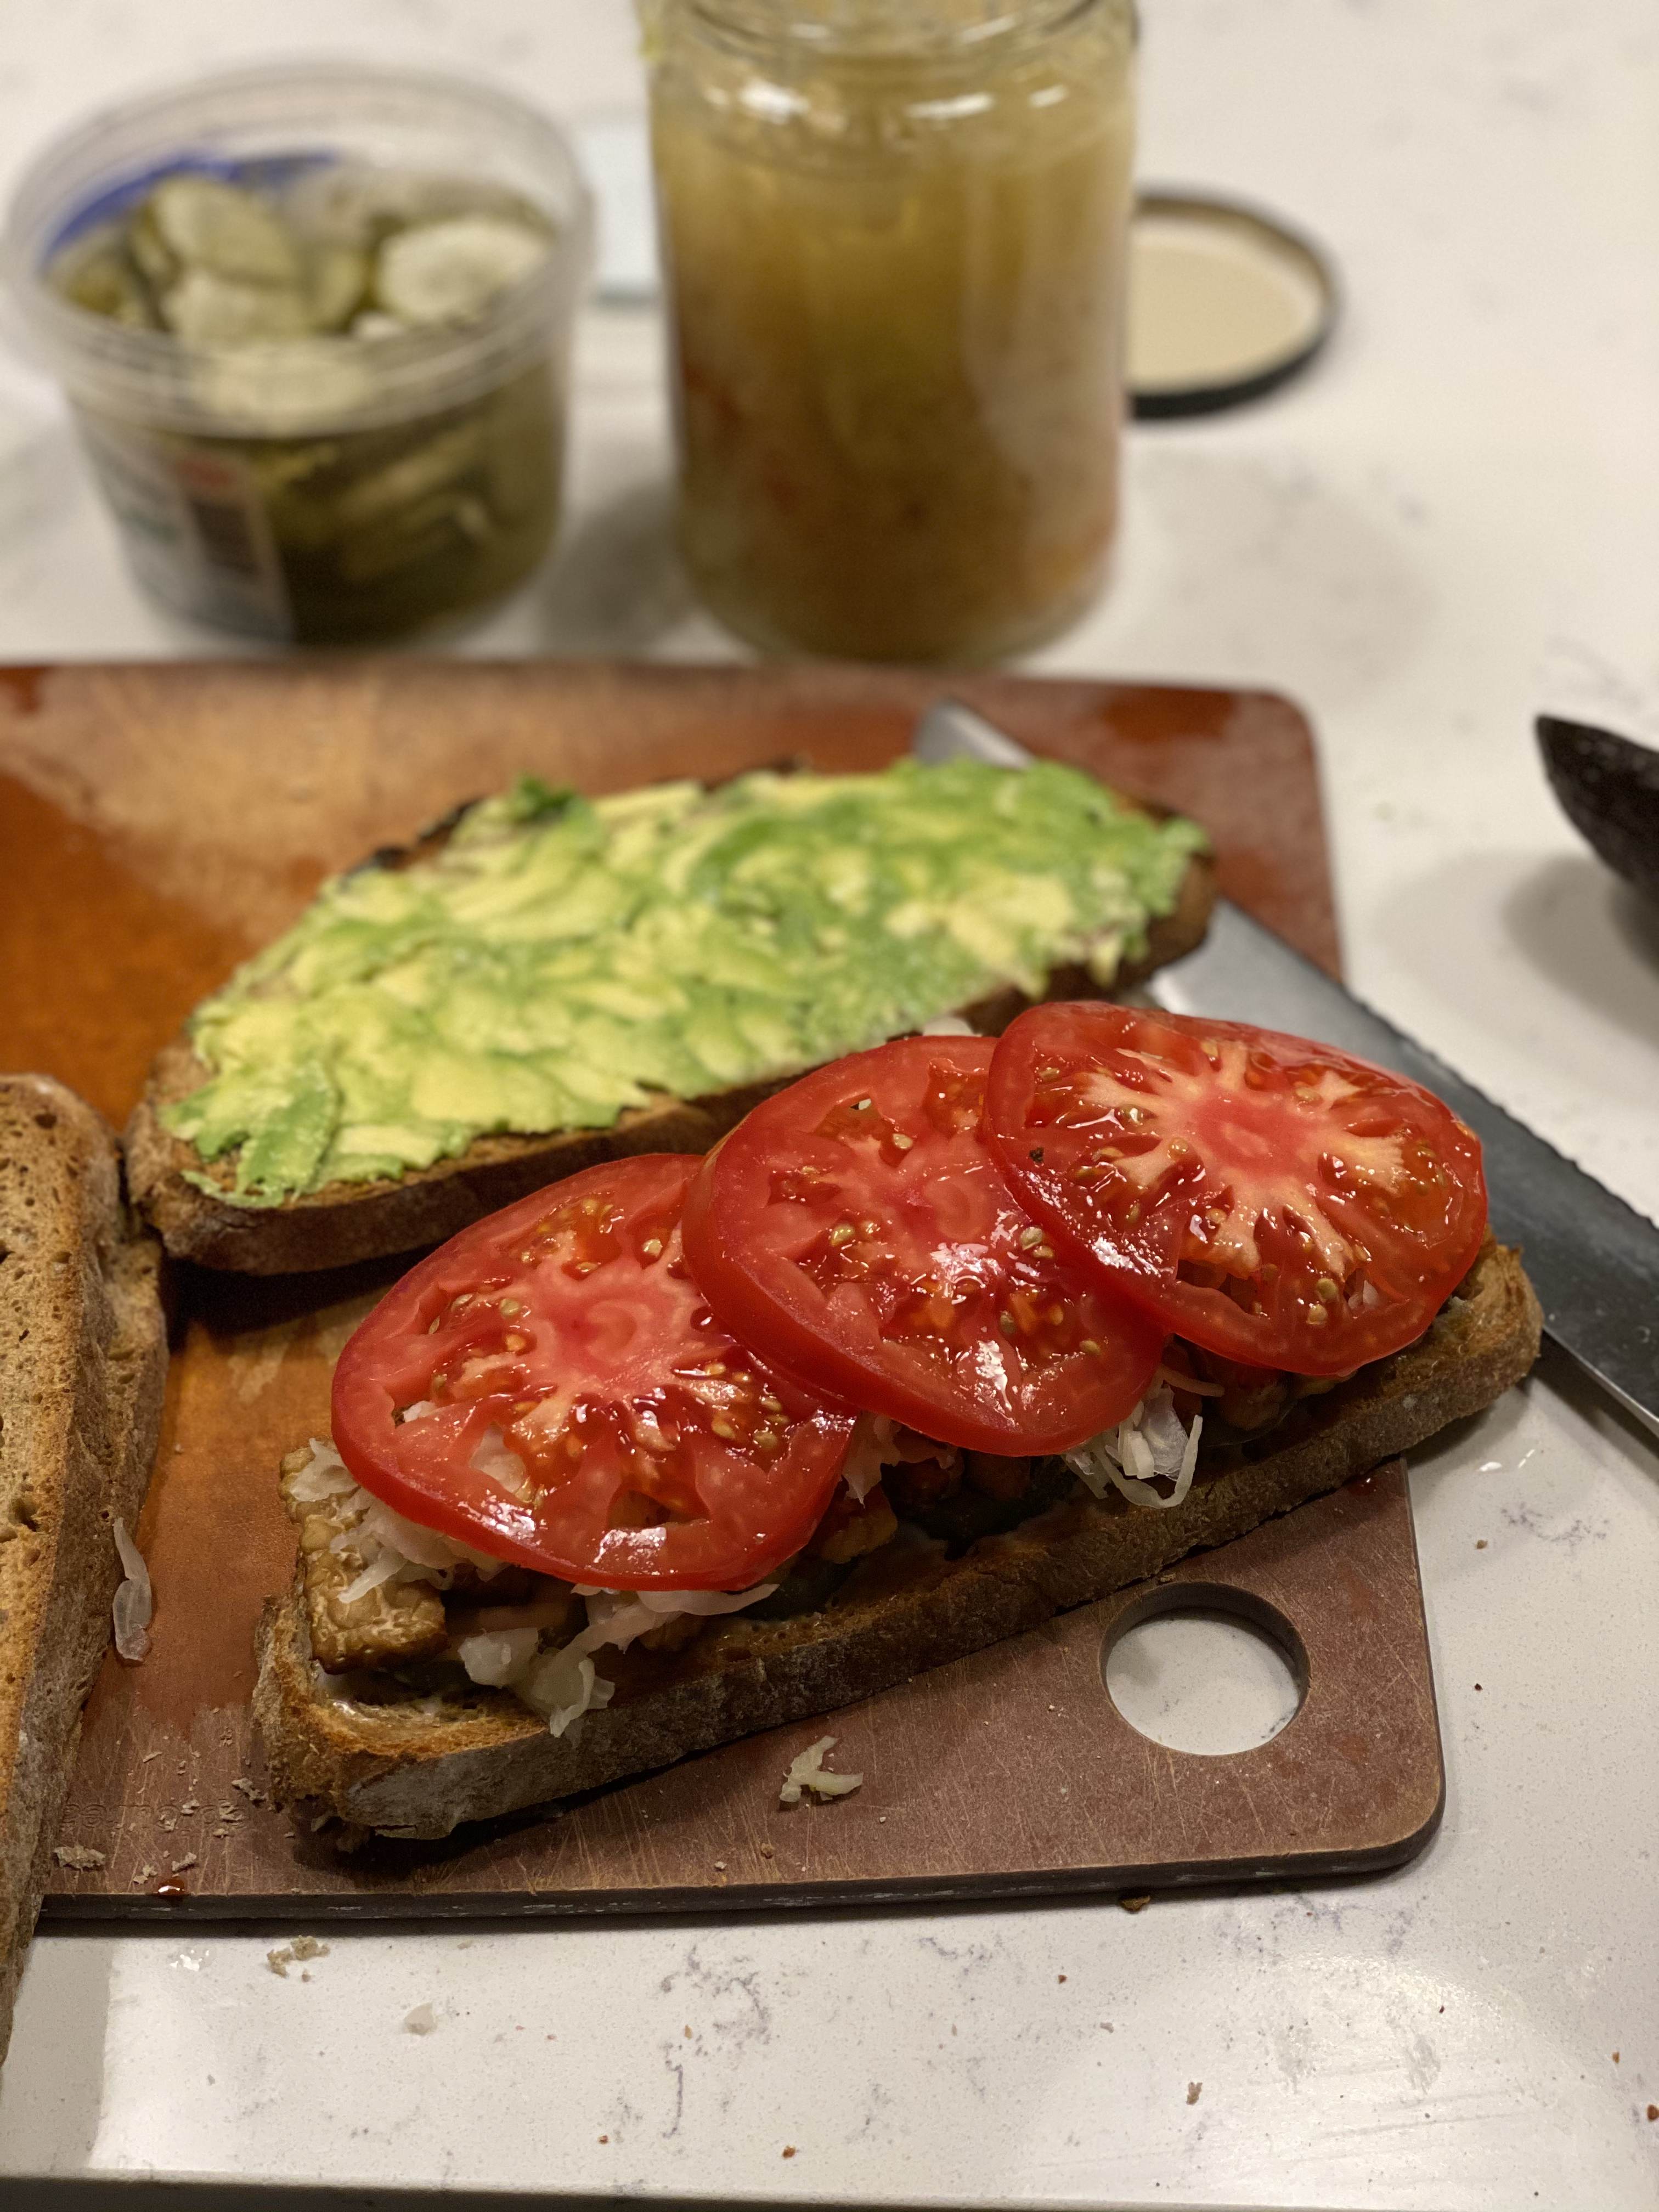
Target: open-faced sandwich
[(943, 1338), (547, 982)]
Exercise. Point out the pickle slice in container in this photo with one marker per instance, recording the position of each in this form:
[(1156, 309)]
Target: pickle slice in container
[(336, 285), (198, 222), (100, 275), (450, 272), (209, 310)]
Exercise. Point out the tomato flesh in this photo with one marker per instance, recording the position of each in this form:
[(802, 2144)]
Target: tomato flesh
[(652, 1450), (1276, 1201), (857, 1229)]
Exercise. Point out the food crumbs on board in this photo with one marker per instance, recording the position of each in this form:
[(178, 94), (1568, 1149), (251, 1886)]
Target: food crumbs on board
[(1477, 1685), (1615, 2058), (190, 1859), (1653, 2111), (421, 2020), (605, 2138), (1479, 1543), (1136, 1903), (719, 1866), (767, 1851), (81, 1856), (789, 2150), (1061, 1977), (1194, 2091)]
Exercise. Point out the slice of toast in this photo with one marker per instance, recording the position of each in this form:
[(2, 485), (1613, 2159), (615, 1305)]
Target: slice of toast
[(345, 1222), (82, 1366), (420, 1766)]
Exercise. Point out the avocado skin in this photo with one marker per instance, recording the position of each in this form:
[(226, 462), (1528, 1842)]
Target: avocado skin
[(1608, 788)]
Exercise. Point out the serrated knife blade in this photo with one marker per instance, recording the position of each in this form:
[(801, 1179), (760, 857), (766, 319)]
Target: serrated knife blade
[(1593, 1260)]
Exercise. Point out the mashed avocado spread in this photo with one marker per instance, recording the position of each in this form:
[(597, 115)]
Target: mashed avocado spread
[(562, 959)]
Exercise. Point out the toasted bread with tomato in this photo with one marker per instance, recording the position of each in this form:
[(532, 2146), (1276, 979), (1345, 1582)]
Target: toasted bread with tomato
[(82, 1364), (419, 1764), (181, 1192)]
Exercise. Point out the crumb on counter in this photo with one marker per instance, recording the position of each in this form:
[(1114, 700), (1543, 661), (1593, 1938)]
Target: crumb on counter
[(789, 2150), (421, 2021), (1136, 1903), (1194, 2091), (289, 1954)]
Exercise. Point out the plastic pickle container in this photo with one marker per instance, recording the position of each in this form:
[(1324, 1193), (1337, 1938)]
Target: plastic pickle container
[(313, 322)]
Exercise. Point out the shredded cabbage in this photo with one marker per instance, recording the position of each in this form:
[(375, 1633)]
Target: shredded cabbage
[(495, 1656), (134, 1602), (808, 1771), (1151, 1445), (879, 1441), (491, 1458)]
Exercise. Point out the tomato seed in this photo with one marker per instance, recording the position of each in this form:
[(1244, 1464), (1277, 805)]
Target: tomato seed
[(1089, 1345), (843, 1233), (652, 1247), (1028, 1237), (901, 1142)]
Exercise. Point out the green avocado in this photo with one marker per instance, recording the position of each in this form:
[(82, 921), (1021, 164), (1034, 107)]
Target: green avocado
[(563, 959)]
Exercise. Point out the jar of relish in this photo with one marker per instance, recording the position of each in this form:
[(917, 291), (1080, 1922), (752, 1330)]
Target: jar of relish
[(894, 241)]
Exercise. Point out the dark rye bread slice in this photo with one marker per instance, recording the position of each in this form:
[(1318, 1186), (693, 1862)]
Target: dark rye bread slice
[(420, 1767), (344, 1222), (82, 1365)]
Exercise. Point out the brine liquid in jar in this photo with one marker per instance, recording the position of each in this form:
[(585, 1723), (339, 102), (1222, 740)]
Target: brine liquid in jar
[(895, 242)]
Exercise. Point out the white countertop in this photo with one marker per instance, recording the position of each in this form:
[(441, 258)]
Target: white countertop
[(1453, 523)]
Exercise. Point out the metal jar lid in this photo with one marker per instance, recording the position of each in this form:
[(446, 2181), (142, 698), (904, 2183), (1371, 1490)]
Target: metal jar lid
[(1225, 303)]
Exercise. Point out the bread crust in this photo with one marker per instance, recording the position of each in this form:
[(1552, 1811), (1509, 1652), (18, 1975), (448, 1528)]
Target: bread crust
[(347, 1222), (406, 1770), (82, 1368)]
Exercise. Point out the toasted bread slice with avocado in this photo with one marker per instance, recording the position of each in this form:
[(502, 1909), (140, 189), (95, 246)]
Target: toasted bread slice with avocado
[(420, 1761), (204, 1215), (83, 1364)]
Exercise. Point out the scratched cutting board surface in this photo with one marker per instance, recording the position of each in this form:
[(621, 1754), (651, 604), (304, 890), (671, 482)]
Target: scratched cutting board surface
[(160, 821)]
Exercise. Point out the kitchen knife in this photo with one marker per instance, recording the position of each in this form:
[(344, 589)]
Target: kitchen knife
[(1593, 1260)]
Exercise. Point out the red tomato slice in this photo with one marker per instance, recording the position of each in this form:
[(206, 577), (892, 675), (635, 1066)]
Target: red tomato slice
[(856, 1228), (657, 1453), (1279, 1202)]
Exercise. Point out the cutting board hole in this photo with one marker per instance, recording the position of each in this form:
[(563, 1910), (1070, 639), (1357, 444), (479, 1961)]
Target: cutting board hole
[(1196, 1673)]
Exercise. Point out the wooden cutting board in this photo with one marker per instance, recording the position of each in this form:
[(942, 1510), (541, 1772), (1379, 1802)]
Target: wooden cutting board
[(158, 821)]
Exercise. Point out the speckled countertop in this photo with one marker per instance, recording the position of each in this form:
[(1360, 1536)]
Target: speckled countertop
[(1452, 524)]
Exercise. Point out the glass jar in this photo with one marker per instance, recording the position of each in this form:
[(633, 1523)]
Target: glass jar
[(894, 238), (342, 484)]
